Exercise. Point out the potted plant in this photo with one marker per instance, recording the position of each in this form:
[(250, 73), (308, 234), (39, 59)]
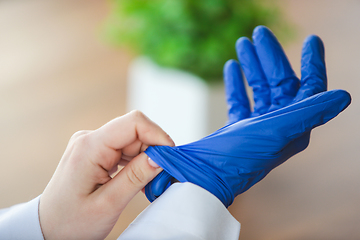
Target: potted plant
[(184, 45)]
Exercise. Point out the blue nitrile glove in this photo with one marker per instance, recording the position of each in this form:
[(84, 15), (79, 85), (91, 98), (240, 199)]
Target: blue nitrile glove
[(270, 75), (235, 157), (274, 83)]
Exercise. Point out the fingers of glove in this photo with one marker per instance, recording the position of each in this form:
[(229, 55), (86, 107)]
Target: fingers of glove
[(313, 70), (158, 185), (254, 74), (294, 120), (236, 97), (282, 79)]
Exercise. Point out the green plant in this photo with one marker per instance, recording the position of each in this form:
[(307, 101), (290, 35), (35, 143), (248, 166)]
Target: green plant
[(194, 35)]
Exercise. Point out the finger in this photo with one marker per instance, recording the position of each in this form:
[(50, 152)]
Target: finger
[(236, 97), (134, 148), (126, 157), (128, 182), (158, 185), (133, 126), (79, 134), (313, 70), (254, 74), (123, 162), (282, 79), (294, 120)]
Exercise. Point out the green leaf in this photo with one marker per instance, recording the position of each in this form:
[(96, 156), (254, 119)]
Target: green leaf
[(192, 35)]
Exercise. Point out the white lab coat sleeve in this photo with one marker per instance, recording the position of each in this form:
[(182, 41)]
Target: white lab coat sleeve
[(184, 211), (21, 221)]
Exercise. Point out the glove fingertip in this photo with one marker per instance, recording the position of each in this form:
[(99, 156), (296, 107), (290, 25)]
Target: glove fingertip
[(330, 104), (242, 43), (315, 41), (261, 30), (342, 98), (231, 71), (230, 64), (157, 186)]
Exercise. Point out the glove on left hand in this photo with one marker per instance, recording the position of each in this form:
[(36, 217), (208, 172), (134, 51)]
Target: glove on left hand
[(235, 157), (272, 79)]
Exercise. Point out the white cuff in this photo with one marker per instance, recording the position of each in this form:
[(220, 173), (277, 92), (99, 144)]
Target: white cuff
[(184, 211), (21, 221)]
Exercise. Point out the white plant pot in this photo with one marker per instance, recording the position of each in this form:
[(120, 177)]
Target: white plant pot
[(182, 104)]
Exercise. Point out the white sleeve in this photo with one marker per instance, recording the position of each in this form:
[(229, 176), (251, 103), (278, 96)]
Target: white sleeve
[(21, 221), (184, 211)]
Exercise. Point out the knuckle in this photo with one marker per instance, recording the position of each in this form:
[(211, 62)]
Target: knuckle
[(135, 176), (138, 115), (78, 134), (77, 147), (81, 140), (144, 124)]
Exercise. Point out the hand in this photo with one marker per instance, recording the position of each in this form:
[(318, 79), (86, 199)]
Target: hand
[(269, 74), (272, 79), (81, 200), (235, 157)]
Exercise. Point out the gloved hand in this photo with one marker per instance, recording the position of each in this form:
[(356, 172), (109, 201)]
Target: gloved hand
[(269, 74), (235, 157), (274, 84)]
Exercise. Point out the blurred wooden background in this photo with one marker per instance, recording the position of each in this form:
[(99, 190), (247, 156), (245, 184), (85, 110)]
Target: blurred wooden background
[(57, 77)]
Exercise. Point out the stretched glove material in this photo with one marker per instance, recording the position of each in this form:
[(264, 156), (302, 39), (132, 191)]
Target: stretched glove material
[(234, 158), (275, 86)]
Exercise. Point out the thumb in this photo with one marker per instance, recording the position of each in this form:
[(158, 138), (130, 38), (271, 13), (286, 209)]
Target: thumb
[(301, 117), (130, 180)]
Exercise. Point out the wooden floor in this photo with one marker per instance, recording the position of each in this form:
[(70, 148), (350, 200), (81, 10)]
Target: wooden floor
[(57, 76)]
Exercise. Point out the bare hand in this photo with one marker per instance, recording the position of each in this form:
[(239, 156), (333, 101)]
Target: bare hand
[(81, 200)]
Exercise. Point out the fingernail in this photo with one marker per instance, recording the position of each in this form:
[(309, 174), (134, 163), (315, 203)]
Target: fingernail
[(172, 141), (152, 163)]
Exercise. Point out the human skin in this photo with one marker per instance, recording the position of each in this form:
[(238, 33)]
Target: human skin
[(82, 200)]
